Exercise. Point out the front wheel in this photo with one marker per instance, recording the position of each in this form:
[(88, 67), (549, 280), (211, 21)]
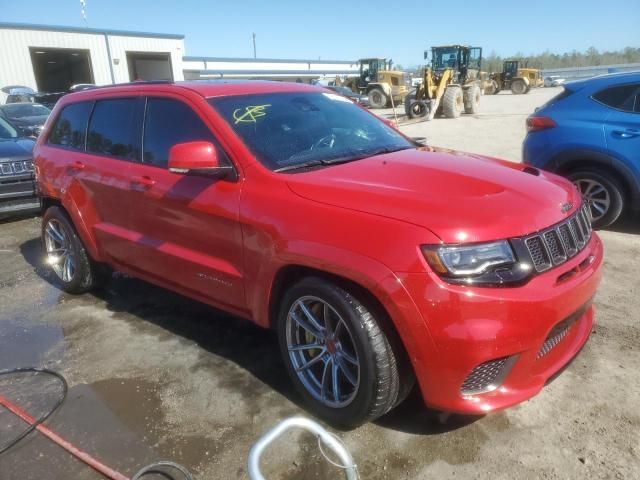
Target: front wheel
[(377, 98), (519, 87), (337, 354), (66, 255), (602, 192)]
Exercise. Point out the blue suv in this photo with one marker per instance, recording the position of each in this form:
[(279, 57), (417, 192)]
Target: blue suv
[(590, 133)]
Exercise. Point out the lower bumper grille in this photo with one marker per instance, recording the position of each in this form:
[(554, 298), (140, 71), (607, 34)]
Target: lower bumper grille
[(487, 376)]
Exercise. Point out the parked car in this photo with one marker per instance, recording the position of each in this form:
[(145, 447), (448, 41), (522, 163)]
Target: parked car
[(553, 81), (17, 190), (347, 92), (377, 261), (590, 133), (28, 117)]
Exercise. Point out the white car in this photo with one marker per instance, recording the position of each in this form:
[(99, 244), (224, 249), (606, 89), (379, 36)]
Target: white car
[(553, 81)]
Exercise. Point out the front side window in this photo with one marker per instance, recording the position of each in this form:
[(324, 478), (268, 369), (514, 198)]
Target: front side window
[(115, 128), (71, 126), (622, 97), (286, 131), (167, 123)]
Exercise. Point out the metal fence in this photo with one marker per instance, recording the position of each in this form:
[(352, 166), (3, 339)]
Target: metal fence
[(588, 72)]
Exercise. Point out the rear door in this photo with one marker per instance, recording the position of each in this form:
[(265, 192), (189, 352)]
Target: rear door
[(114, 141), (190, 233)]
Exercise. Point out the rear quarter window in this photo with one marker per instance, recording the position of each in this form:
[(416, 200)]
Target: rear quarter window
[(70, 128), (620, 97)]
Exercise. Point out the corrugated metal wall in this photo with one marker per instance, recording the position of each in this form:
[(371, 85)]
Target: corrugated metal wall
[(15, 59)]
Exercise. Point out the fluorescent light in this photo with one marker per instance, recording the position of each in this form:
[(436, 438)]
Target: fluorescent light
[(40, 53)]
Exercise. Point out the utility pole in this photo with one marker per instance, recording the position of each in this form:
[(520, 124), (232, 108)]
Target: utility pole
[(254, 45)]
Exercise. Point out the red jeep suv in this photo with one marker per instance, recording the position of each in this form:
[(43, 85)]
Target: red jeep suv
[(377, 260)]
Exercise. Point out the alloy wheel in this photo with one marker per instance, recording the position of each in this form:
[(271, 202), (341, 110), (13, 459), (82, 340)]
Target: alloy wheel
[(60, 253), (596, 196), (322, 352)]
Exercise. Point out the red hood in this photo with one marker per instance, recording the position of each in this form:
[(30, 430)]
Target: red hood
[(459, 197)]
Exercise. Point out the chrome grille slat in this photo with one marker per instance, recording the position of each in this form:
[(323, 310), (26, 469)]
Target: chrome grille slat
[(557, 244), (11, 168)]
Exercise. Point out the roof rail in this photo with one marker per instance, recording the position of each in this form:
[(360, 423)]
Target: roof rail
[(128, 84)]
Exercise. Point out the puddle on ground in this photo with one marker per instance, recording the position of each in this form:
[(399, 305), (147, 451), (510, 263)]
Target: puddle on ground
[(27, 344)]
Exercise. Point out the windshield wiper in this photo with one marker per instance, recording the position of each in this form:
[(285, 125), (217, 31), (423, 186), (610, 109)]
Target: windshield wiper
[(370, 153), (311, 163)]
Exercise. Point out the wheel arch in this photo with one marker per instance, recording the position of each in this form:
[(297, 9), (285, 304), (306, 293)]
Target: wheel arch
[(567, 162), (287, 275)]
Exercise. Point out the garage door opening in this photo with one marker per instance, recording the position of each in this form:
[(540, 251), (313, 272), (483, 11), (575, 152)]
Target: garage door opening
[(149, 66), (57, 69)]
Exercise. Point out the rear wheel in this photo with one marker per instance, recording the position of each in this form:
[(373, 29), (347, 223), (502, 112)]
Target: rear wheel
[(472, 99), (377, 98), (337, 354), (452, 102), (66, 254), (603, 193), (519, 87)]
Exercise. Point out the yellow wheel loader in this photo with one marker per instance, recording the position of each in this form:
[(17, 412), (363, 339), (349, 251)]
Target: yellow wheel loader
[(379, 82), (517, 78), (450, 85)]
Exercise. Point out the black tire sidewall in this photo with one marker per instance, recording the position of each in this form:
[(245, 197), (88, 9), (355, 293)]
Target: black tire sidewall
[(83, 276), (614, 189), (357, 411)]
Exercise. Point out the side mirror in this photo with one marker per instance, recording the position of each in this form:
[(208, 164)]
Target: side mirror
[(197, 158)]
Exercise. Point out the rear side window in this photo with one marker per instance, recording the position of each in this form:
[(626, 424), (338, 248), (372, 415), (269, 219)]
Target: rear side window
[(71, 126), (622, 97), (169, 122), (115, 128)]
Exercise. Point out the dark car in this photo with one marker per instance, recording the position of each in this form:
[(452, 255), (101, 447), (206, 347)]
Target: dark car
[(17, 190), (28, 117), (346, 92)]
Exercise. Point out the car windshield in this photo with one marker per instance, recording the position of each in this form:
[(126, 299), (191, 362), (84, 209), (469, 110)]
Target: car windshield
[(6, 130), (19, 110), (289, 131)]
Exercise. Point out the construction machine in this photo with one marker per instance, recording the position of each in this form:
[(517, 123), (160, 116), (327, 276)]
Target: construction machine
[(379, 82), (517, 77), (450, 85)]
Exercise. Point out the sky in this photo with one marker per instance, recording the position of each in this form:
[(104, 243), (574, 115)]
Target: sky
[(350, 30)]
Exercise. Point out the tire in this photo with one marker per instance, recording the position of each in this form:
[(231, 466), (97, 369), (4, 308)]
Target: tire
[(370, 374), (603, 192), (518, 87), (472, 99), (74, 271), (452, 102), (407, 103), (377, 98)]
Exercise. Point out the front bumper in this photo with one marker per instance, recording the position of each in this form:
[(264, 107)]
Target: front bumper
[(470, 326)]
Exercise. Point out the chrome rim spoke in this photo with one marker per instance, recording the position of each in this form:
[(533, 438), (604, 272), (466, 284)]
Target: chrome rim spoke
[(322, 351), (59, 252)]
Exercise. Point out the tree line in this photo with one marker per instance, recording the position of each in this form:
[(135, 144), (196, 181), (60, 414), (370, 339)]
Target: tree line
[(548, 60)]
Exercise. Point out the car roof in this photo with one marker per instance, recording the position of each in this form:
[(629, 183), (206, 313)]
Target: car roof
[(206, 88), (606, 80)]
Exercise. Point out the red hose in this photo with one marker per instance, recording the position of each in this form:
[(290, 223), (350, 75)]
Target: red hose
[(54, 437)]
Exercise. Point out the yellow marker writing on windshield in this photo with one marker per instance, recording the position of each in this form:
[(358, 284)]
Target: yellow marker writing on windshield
[(250, 114)]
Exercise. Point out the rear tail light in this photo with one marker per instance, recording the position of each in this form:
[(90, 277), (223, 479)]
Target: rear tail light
[(535, 124)]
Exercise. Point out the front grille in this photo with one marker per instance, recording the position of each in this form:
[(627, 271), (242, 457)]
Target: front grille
[(13, 168), (485, 377), (557, 244)]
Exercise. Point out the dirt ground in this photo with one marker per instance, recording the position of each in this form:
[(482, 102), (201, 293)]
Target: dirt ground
[(155, 376)]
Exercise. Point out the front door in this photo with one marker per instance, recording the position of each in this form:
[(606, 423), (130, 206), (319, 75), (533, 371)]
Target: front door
[(191, 236)]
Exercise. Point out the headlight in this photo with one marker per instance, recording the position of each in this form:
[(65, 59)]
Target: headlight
[(485, 263)]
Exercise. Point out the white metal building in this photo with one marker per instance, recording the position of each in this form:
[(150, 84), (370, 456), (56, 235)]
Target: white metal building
[(51, 58), (271, 68)]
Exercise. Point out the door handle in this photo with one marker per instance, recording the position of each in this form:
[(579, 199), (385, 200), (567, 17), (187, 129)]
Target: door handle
[(76, 166), (143, 181), (628, 133)]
